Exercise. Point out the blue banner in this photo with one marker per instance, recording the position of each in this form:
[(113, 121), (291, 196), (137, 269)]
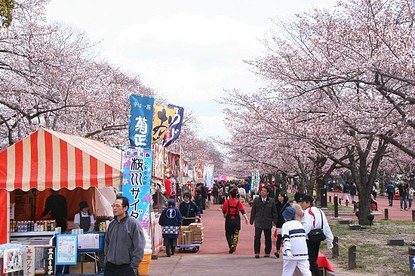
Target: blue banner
[(137, 164), (175, 126), (141, 121)]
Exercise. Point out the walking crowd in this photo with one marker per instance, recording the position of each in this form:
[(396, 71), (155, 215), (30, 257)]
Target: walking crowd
[(299, 226)]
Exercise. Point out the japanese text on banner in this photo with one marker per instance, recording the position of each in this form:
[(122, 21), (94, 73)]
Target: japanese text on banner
[(141, 121), (137, 163)]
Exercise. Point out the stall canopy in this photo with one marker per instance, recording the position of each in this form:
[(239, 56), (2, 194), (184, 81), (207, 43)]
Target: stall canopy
[(50, 159)]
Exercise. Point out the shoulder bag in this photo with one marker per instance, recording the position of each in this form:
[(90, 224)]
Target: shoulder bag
[(316, 235)]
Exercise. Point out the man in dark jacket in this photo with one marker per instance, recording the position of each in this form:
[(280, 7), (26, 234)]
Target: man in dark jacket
[(189, 210), (170, 220), (263, 213)]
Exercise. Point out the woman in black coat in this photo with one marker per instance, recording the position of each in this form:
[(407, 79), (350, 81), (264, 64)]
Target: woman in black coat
[(281, 204)]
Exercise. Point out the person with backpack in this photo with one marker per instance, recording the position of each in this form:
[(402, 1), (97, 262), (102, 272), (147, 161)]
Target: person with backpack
[(231, 209)]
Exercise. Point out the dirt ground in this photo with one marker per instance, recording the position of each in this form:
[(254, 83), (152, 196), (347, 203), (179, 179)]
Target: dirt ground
[(373, 255)]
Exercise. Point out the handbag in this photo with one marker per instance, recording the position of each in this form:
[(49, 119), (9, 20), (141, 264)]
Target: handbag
[(317, 235)]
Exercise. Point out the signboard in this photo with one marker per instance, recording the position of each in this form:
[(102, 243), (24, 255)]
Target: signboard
[(29, 264), (88, 241), (137, 163), (66, 249), (50, 267), (12, 260)]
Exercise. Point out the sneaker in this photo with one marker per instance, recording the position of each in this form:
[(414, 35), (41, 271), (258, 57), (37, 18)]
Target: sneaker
[(266, 256), (256, 256), (277, 254), (232, 249)]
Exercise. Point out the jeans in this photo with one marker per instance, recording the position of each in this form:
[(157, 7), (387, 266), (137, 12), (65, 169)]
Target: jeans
[(257, 240), (390, 198), (402, 199)]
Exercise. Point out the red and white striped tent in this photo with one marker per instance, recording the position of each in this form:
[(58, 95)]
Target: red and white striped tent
[(50, 159)]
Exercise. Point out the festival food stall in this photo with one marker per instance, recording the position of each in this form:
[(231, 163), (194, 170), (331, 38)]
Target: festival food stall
[(46, 160)]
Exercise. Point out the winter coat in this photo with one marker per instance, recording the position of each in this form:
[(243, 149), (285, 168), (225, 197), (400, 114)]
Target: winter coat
[(170, 220), (263, 214)]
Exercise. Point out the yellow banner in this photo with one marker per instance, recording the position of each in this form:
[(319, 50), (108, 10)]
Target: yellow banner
[(161, 120)]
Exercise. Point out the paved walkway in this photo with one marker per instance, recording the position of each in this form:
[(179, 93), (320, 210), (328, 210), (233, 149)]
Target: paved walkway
[(394, 212), (213, 257)]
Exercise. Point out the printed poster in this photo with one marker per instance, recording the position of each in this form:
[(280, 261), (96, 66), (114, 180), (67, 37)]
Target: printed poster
[(12, 260), (66, 249)]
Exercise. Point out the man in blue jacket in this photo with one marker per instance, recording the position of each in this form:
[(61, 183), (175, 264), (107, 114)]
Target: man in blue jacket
[(170, 220)]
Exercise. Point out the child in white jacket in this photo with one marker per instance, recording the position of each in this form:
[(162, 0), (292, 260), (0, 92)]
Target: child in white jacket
[(295, 245)]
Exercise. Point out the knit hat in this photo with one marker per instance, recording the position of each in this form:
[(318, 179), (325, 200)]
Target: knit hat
[(289, 213), (82, 205)]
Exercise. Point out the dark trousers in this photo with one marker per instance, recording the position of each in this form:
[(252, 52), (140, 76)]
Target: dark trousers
[(257, 240), (279, 241), (170, 244), (390, 199), (117, 270), (232, 234), (313, 248)]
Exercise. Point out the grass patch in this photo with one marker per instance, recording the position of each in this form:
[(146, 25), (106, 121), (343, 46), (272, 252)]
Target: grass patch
[(373, 255)]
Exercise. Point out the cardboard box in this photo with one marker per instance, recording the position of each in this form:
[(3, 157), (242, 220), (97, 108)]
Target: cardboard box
[(75, 269), (88, 267), (82, 267)]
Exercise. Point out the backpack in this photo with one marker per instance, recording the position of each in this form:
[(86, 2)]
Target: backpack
[(233, 216)]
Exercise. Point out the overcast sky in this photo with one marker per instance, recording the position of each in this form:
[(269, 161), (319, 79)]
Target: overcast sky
[(188, 51)]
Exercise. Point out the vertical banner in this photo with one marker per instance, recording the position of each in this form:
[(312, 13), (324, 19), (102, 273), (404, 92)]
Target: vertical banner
[(29, 264), (255, 181), (136, 182), (141, 121), (175, 125), (208, 175), (163, 117)]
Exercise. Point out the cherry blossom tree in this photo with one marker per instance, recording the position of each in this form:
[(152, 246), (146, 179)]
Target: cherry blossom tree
[(50, 78), (340, 81)]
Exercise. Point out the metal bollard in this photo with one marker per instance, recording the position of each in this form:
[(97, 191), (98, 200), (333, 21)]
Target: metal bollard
[(330, 199), (386, 214), (352, 257), (336, 207), (335, 250)]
